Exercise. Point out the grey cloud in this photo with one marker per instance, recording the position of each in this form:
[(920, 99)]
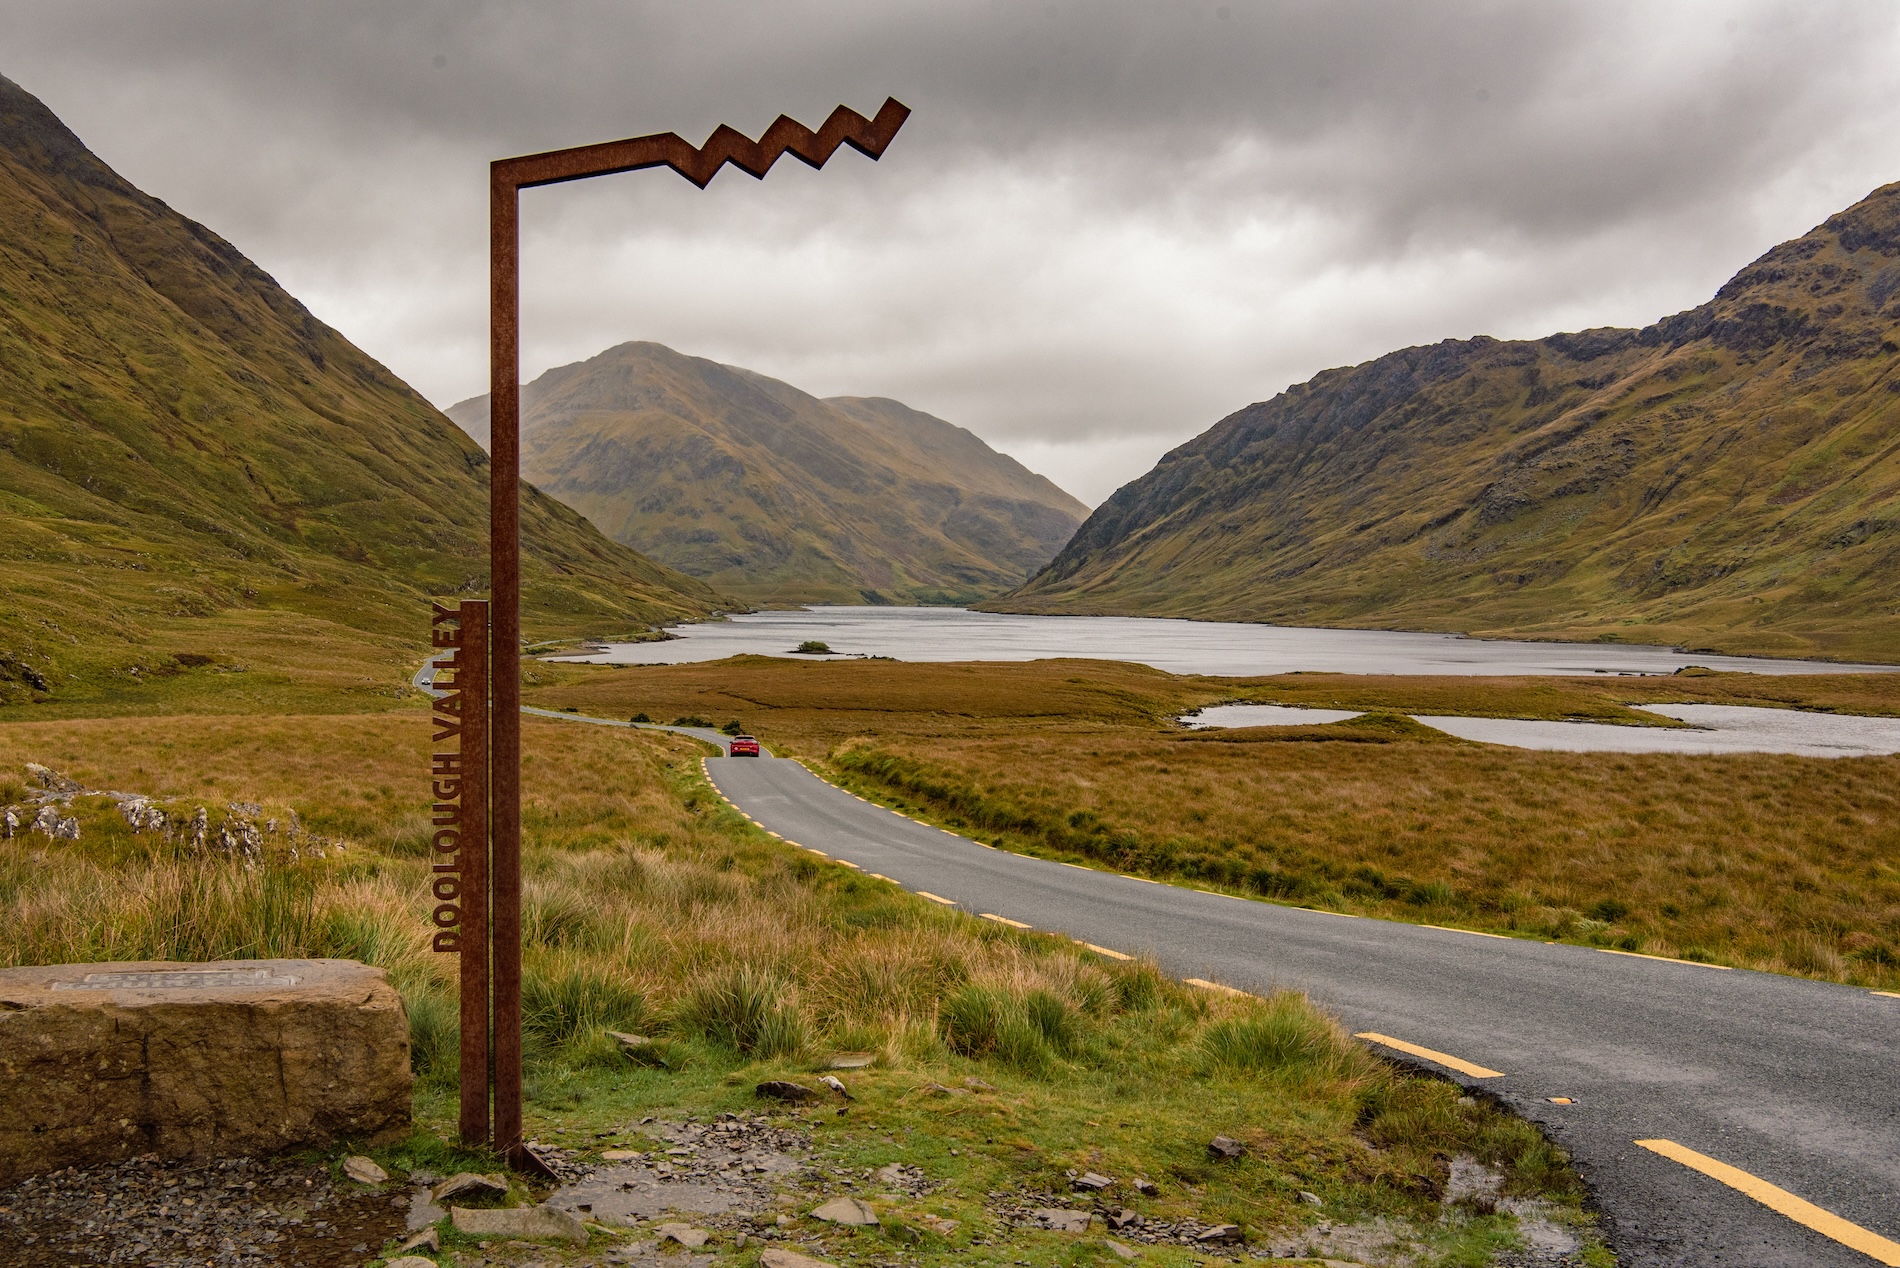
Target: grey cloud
[(1104, 222)]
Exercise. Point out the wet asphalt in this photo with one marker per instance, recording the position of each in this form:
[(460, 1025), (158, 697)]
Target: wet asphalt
[(1791, 1080)]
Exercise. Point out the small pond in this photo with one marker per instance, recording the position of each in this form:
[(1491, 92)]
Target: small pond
[(1718, 728)]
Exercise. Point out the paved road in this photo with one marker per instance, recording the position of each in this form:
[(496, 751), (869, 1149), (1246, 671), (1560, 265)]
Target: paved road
[(1792, 1081)]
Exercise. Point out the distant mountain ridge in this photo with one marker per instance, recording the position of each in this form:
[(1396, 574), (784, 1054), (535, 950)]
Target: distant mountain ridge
[(1728, 478), (771, 493), (188, 455)]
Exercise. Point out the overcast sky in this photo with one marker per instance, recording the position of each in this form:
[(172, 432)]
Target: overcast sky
[(1104, 227)]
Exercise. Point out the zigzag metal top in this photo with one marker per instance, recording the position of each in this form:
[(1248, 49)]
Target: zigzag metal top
[(726, 145)]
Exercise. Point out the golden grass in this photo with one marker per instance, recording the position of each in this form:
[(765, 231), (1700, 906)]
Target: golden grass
[(651, 906), (1789, 864)]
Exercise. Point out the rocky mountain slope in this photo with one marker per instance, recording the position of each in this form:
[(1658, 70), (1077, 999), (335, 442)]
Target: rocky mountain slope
[(767, 492), (1723, 479), (188, 456)]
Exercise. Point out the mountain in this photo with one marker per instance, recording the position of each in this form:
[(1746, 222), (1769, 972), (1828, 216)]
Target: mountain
[(188, 456), (1725, 479), (773, 494)]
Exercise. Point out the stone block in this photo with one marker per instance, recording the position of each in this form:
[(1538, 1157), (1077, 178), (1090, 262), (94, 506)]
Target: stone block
[(519, 1221), (100, 1062)]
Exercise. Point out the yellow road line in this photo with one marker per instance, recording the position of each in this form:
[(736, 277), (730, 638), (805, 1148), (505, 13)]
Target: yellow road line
[(1216, 987), (1143, 879), (820, 853), (1782, 1202), (1005, 920), (948, 902), (1667, 959), (1077, 866), (1888, 994), (879, 876), (1216, 893), (1113, 955), (1431, 1054), (1321, 911), (847, 863), (1473, 932)]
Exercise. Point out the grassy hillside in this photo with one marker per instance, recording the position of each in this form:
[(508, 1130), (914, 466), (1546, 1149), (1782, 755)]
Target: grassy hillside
[(198, 475), (767, 492), (1724, 479)]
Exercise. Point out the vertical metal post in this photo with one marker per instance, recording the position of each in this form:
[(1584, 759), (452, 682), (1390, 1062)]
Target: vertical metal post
[(472, 676), (506, 178), (504, 562)]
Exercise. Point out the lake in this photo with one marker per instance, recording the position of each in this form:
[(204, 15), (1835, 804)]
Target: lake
[(1719, 728), (1181, 647)]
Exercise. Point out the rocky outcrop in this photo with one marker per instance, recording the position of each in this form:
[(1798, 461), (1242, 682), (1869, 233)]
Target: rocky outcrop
[(101, 1062)]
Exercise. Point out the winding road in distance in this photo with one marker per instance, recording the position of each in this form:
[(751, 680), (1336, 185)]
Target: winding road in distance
[(1771, 1105)]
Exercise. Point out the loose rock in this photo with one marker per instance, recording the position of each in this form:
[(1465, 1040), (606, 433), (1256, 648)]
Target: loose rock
[(779, 1090), (1225, 1147), (1146, 1187), (1094, 1182), (363, 1170), (469, 1185), (1311, 1199), (1220, 1235), (1124, 1218), (1063, 1221), (852, 1060), (776, 1257), (1123, 1252), (846, 1211), (685, 1234), (410, 1261), (429, 1238)]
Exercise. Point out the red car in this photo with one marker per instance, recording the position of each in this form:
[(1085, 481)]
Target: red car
[(743, 746)]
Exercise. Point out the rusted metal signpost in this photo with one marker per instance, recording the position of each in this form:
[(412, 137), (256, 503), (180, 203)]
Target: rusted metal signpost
[(490, 911)]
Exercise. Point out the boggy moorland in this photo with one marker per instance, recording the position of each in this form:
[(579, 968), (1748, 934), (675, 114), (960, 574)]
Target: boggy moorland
[(1757, 860)]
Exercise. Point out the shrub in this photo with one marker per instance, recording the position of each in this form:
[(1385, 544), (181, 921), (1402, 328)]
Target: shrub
[(732, 728), (812, 647)]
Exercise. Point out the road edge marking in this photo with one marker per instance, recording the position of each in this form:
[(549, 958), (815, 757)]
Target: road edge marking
[(1476, 933), (1782, 1202), (1431, 1054), (1005, 920), (948, 902), (1218, 988), (1110, 953), (1666, 959), (1886, 994)]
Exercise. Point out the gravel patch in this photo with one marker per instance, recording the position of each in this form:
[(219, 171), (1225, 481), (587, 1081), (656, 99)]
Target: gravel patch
[(225, 1213)]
